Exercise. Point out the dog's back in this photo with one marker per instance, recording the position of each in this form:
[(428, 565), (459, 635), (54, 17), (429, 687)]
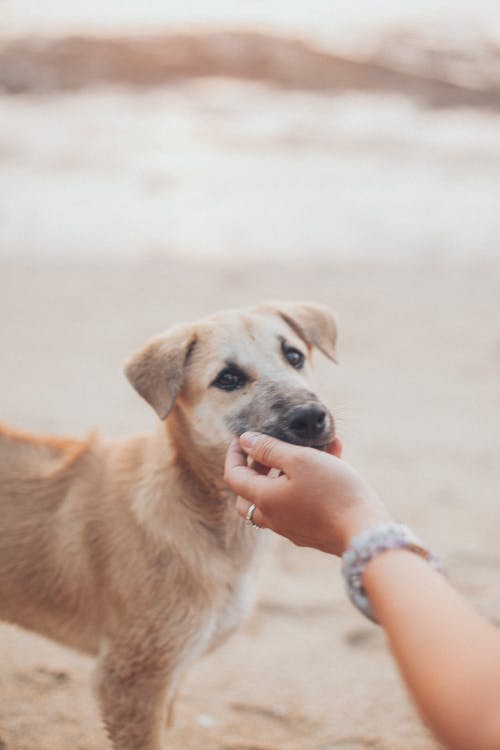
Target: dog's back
[(35, 478), (31, 456)]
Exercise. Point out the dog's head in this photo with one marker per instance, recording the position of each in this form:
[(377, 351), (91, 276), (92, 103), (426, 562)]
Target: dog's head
[(239, 370)]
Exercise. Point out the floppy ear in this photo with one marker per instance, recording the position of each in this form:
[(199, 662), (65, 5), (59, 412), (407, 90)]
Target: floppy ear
[(315, 324), (157, 370)]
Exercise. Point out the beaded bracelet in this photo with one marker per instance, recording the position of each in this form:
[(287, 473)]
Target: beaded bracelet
[(368, 545)]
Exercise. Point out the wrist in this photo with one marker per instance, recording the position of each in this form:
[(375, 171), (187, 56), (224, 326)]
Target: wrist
[(371, 545), (360, 520)]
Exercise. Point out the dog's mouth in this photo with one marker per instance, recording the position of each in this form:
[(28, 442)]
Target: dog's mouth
[(309, 426), (321, 445)]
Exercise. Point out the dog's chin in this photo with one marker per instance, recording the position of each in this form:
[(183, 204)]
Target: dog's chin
[(321, 443)]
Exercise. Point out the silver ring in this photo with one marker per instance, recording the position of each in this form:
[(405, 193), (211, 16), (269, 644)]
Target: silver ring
[(248, 517)]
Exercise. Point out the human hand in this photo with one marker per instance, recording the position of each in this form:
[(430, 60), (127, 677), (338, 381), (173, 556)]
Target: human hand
[(317, 501)]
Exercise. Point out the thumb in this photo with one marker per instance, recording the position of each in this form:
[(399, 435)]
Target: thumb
[(268, 450)]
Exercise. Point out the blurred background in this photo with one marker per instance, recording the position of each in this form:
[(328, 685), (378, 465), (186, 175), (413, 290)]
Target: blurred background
[(269, 129), (159, 162)]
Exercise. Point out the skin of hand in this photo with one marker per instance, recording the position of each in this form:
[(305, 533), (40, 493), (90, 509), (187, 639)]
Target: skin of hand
[(317, 501), (448, 655)]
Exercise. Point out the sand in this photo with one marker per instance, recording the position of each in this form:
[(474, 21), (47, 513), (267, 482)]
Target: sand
[(417, 402)]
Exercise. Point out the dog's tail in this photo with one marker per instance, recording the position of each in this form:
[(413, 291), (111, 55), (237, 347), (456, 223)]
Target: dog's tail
[(27, 456)]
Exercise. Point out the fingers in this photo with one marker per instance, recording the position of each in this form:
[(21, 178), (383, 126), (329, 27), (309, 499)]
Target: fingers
[(267, 450), (335, 448), (242, 506), (243, 479), (235, 455)]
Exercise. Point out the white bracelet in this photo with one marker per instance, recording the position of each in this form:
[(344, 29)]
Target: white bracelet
[(368, 545)]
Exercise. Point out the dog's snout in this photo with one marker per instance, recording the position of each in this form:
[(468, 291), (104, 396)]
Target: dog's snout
[(307, 422)]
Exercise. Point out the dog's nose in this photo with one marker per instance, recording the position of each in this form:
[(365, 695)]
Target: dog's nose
[(307, 422)]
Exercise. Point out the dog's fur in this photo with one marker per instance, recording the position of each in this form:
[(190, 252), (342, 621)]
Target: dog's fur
[(132, 550)]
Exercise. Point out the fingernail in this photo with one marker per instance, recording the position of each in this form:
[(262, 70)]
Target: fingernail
[(247, 440)]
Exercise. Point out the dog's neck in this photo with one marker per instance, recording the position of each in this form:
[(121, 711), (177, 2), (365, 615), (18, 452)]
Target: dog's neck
[(202, 497), (180, 495), (200, 464)]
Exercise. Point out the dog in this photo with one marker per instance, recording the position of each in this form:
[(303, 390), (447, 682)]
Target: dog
[(132, 550)]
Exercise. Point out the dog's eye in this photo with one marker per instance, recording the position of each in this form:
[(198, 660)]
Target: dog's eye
[(293, 356), (229, 379)]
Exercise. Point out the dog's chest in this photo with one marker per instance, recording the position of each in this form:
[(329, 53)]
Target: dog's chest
[(235, 604)]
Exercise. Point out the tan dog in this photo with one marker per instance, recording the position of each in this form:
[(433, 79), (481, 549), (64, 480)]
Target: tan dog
[(132, 550)]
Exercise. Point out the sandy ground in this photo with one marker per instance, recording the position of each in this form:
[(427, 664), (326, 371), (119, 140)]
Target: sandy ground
[(417, 401)]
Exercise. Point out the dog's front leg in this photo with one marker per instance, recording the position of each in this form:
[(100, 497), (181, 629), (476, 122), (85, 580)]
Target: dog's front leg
[(136, 684)]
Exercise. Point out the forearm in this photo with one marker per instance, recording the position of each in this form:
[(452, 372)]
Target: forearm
[(448, 655)]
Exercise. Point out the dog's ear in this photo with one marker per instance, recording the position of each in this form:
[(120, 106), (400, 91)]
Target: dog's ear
[(315, 324), (157, 370)]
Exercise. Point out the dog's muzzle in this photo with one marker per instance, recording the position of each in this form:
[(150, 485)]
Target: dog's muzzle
[(308, 424), (296, 417)]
